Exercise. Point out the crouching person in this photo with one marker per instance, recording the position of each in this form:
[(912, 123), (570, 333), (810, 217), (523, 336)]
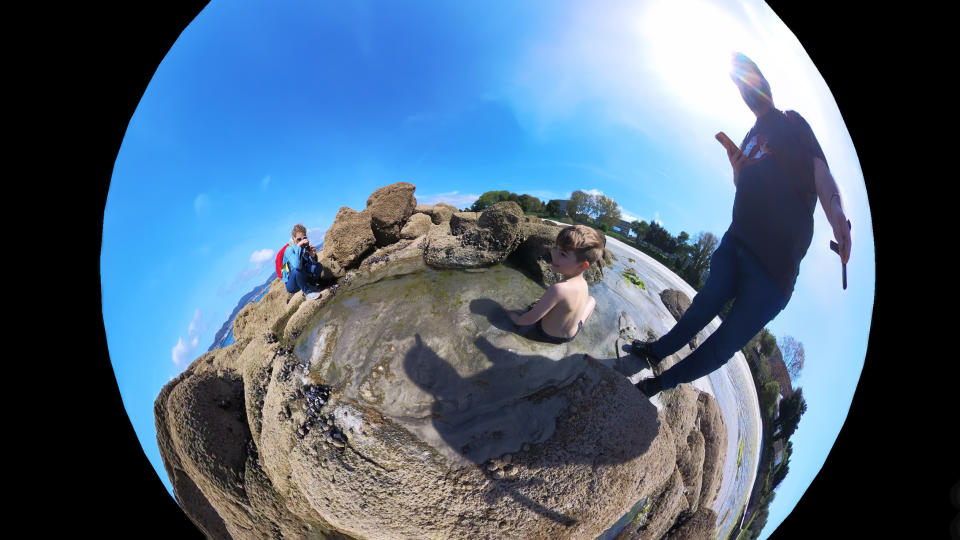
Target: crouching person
[(301, 269)]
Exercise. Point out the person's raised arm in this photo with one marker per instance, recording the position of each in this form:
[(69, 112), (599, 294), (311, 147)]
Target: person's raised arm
[(546, 303), (829, 197)]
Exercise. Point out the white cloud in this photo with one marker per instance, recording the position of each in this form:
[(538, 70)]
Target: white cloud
[(316, 236), (260, 261), (262, 256), (183, 352), (630, 216), (454, 198), (195, 323)]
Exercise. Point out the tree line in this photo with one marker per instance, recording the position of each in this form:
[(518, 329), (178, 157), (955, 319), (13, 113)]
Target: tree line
[(690, 261), (777, 426)]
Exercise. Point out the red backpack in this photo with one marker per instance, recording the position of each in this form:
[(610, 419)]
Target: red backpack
[(280, 264)]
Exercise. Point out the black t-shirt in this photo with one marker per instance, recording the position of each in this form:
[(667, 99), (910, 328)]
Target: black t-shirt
[(776, 195)]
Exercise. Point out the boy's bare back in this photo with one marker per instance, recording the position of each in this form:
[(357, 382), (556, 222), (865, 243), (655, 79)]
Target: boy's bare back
[(570, 309)]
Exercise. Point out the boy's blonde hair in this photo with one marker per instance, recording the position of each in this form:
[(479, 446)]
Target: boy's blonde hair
[(298, 228), (586, 243)]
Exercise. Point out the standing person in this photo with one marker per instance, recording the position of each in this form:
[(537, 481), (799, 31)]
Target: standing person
[(301, 268), (779, 172)]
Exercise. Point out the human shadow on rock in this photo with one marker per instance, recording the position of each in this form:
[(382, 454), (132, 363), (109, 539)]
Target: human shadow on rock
[(518, 400), (525, 401)]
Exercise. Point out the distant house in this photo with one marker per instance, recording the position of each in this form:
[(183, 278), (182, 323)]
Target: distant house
[(779, 372), (776, 411), (777, 452), (622, 227), (561, 203)]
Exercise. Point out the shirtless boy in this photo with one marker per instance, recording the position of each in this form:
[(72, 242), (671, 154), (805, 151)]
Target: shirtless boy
[(566, 305)]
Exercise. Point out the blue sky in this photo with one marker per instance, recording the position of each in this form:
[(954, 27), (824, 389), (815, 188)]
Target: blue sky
[(265, 115)]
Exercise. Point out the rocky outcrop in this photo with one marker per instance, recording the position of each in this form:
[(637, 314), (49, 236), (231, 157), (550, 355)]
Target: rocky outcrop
[(714, 432), (681, 507), (389, 208), (700, 526), (418, 225), (676, 302), (347, 241), (484, 241), (396, 406), (439, 213)]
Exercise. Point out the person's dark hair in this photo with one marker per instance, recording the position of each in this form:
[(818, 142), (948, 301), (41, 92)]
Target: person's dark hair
[(742, 64), (586, 243), (298, 228)]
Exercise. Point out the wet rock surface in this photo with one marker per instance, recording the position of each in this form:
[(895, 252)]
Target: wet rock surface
[(404, 403)]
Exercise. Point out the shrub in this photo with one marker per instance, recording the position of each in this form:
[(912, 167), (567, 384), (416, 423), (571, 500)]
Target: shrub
[(768, 398)]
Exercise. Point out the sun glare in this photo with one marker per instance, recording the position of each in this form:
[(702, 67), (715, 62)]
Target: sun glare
[(688, 44)]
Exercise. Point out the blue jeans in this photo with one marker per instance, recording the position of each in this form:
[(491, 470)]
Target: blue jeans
[(304, 278), (734, 273)]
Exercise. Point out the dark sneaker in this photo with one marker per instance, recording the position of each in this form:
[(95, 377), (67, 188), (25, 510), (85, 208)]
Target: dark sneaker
[(643, 350), (650, 386)]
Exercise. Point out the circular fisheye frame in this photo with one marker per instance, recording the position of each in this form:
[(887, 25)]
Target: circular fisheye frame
[(429, 369)]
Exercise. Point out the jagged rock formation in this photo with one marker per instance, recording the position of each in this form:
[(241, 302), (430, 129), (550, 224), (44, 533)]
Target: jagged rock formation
[(402, 404)]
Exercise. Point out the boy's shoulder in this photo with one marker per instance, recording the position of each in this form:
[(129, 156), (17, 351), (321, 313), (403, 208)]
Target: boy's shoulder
[(566, 287)]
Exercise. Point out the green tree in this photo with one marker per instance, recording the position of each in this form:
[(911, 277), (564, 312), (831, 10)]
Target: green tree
[(607, 210), (768, 398), (639, 228), (591, 206), (555, 208), (579, 204), (659, 237), (779, 474), (793, 355), (768, 343), (759, 521), (529, 203), (682, 251), (697, 259), (701, 252), (488, 199), (791, 409)]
